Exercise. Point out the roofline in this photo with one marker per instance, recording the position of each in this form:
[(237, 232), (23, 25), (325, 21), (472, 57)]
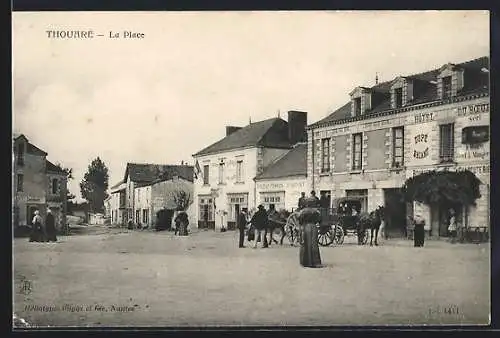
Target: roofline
[(239, 148), (393, 111)]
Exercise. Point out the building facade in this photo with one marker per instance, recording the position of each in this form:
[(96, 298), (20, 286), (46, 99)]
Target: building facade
[(134, 197), (117, 199), (225, 171), (282, 183), (38, 184), (437, 120)]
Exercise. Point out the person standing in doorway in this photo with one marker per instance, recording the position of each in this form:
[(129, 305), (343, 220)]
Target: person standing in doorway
[(50, 225), (452, 227), (242, 223), (419, 231)]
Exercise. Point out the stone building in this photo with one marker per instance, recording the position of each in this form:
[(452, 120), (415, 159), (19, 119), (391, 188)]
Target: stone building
[(38, 184), (133, 197), (282, 182), (117, 203), (436, 120), (225, 171)]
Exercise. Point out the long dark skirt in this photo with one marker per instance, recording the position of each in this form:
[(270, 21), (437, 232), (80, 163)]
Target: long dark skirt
[(419, 235), (37, 233), (309, 249), (51, 233)]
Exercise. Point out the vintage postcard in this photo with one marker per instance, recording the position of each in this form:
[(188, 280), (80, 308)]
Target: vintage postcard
[(255, 169)]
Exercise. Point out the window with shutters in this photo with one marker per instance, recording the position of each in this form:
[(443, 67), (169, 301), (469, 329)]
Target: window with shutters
[(446, 142), (325, 155), (20, 182), (397, 147), (206, 174), (357, 152), (55, 185)]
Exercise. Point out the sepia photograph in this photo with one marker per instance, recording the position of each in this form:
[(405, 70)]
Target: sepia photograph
[(270, 169)]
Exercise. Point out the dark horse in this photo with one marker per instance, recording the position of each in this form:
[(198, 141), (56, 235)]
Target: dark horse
[(277, 220), (371, 221)]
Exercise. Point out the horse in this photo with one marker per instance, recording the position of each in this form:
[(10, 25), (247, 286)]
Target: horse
[(276, 220), (371, 221)]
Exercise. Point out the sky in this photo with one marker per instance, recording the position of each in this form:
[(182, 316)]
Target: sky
[(162, 98)]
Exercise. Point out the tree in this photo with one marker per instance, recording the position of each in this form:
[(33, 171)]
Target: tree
[(94, 185), (443, 188), (69, 196), (182, 200)]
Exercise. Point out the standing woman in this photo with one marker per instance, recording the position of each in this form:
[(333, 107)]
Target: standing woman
[(50, 225), (419, 231), (309, 249), (452, 227), (37, 230)]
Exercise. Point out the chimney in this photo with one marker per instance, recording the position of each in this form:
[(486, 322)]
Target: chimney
[(231, 129), (297, 123)]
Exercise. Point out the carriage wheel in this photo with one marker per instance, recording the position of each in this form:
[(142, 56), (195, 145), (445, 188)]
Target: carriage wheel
[(339, 235), (325, 237), (291, 227), (366, 235)]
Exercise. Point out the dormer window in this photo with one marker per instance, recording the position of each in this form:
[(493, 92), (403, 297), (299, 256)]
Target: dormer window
[(447, 87), (357, 106), (401, 92), (360, 101), (398, 97), (450, 81)]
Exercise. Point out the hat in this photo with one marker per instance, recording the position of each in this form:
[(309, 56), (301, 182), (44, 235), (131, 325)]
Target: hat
[(49, 211), (261, 206), (37, 212)]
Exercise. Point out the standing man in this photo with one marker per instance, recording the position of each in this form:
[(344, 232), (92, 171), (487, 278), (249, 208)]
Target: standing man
[(316, 203), (242, 222), (259, 220), (50, 225)]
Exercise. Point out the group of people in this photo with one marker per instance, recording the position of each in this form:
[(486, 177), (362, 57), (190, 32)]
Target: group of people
[(43, 231), (259, 226), (309, 218)]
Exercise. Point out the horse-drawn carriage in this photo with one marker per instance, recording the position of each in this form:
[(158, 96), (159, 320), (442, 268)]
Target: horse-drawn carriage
[(336, 223), (345, 219)]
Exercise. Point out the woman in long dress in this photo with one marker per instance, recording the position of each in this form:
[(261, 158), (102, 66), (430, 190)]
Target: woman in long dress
[(309, 249)]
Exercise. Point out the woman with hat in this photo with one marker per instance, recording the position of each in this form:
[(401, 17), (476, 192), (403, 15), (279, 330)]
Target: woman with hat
[(309, 249)]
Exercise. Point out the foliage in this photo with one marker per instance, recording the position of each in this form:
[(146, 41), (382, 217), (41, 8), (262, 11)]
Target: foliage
[(182, 200), (68, 171), (94, 185), (444, 188)]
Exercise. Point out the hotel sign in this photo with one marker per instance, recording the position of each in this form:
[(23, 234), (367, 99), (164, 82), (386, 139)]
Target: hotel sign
[(473, 109)]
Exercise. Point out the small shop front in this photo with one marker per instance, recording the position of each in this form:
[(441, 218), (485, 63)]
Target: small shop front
[(236, 202)]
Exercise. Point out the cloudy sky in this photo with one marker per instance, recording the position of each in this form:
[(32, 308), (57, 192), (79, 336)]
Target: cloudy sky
[(162, 98)]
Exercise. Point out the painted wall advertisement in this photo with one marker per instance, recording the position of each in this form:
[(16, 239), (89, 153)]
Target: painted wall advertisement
[(420, 136)]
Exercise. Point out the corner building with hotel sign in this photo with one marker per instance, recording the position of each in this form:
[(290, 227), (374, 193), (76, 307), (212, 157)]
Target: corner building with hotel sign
[(385, 134)]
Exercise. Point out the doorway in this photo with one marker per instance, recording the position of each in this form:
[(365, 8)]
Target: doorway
[(395, 213)]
